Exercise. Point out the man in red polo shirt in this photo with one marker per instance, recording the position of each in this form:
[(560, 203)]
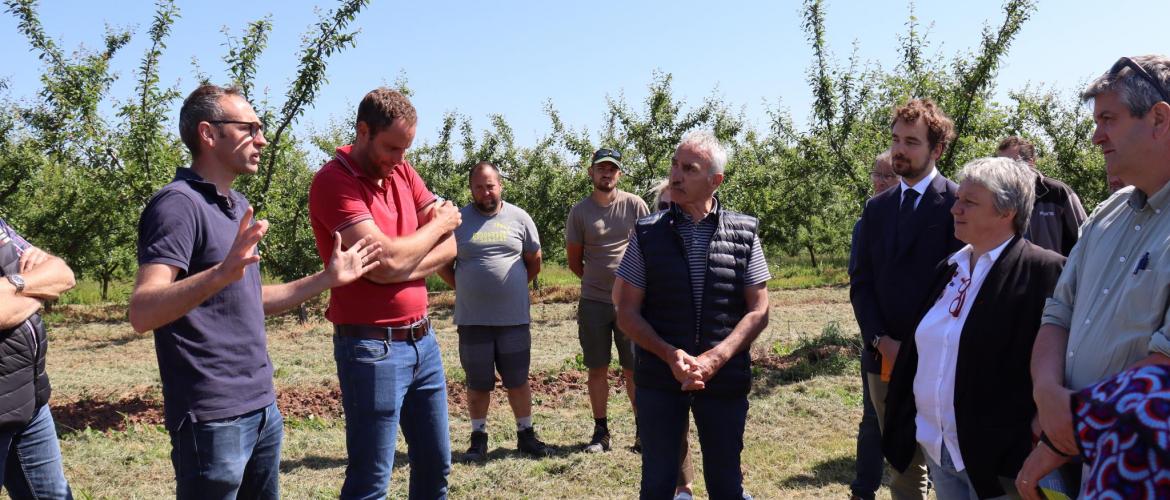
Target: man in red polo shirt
[(388, 361)]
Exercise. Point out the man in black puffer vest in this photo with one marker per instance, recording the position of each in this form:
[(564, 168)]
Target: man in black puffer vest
[(691, 293), (27, 433)]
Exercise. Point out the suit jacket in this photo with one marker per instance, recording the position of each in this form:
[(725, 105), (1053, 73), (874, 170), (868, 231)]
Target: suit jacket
[(993, 385), (894, 265)]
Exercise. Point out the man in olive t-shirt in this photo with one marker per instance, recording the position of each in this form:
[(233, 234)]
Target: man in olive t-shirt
[(596, 235)]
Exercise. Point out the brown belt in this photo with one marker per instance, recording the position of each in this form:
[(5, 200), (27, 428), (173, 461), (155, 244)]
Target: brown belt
[(413, 331)]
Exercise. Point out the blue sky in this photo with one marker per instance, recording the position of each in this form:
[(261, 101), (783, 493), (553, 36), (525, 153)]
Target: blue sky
[(509, 57)]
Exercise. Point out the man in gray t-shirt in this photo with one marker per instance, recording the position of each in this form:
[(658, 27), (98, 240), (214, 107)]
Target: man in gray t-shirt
[(596, 235), (498, 253)]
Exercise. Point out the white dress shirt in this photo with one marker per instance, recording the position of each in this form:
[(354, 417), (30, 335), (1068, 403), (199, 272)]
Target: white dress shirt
[(937, 338), (919, 186)]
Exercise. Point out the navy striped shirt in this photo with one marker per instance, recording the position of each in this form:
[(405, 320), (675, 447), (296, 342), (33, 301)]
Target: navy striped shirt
[(696, 239)]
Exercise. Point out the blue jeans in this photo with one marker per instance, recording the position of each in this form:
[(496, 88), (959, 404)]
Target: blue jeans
[(234, 457), (30, 466), (384, 385), (868, 467), (662, 418), (950, 484)]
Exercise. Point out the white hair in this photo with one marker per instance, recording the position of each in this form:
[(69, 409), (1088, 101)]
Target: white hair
[(705, 141)]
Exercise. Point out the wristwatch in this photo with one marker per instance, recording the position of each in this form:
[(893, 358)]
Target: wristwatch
[(877, 340), (17, 281)]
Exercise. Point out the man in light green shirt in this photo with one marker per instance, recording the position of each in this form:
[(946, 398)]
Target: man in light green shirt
[(1109, 309)]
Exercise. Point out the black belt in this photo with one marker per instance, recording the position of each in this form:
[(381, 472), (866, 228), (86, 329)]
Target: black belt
[(413, 331)]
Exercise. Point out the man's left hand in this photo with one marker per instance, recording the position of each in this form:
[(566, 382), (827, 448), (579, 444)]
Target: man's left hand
[(31, 258), (348, 265), (707, 364)]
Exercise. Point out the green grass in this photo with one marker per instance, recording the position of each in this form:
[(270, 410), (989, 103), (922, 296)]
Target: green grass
[(798, 444)]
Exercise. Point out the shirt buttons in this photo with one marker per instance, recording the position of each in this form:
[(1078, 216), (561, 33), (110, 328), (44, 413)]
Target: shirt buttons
[(1122, 259), (1070, 354), (1137, 227), (1105, 292), (1086, 321)]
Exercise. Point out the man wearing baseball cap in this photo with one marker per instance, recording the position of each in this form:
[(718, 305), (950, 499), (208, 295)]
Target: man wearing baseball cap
[(595, 239)]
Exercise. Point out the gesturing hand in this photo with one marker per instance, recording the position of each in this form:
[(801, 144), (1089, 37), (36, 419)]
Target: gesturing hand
[(684, 368), (347, 265), (243, 252)]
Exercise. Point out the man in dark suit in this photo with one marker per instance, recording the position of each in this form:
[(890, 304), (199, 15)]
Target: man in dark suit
[(904, 233)]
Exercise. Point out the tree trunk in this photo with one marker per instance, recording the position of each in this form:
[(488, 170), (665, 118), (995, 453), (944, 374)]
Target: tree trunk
[(812, 256)]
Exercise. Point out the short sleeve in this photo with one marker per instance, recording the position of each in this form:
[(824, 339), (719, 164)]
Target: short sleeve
[(633, 268), (574, 231), (418, 189), (640, 207), (757, 265), (336, 201), (6, 232), (531, 236), (167, 230)]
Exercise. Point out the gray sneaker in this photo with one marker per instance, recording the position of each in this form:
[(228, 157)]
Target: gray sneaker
[(477, 452)]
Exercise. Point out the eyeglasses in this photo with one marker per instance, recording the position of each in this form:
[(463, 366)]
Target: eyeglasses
[(607, 153), (1126, 62), (874, 176), (253, 127), (957, 304)]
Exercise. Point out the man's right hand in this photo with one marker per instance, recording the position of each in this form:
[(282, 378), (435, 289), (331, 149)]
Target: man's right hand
[(1055, 414), (447, 216), (243, 252), (889, 347), (684, 367)]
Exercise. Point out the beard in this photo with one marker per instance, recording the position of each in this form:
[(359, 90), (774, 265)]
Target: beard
[(487, 206), (906, 168), (601, 186)]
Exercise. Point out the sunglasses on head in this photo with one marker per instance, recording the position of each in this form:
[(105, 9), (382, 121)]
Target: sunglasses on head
[(607, 153), (1141, 72)]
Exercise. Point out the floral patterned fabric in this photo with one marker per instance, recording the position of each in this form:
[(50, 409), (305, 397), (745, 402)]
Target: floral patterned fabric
[(1123, 428)]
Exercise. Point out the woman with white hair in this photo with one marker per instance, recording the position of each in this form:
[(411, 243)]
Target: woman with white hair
[(961, 388)]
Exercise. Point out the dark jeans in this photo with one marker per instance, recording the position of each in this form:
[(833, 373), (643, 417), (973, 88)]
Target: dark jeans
[(385, 385), (30, 465), (868, 467), (236, 457), (662, 419)]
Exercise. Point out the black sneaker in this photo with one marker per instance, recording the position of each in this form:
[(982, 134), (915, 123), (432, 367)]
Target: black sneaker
[(477, 452), (600, 441), (529, 444)]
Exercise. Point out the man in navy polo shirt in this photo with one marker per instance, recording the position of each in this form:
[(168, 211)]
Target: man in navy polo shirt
[(199, 289)]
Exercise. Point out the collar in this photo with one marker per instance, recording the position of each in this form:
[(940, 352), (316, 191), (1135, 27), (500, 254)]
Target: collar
[(1139, 200), (963, 256), (343, 157), (206, 188), (687, 217), (921, 185)]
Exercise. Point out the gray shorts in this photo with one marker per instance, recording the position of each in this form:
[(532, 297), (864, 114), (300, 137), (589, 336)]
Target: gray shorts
[(596, 328), (485, 349)]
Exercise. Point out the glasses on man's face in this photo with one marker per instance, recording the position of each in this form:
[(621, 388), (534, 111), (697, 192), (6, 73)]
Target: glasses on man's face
[(876, 176), (1141, 72), (253, 127), (607, 153)]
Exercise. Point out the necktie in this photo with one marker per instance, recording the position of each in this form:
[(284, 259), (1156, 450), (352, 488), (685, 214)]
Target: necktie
[(907, 208)]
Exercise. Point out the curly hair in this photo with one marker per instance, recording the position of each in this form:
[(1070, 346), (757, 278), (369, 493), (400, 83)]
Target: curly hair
[(939, 128)]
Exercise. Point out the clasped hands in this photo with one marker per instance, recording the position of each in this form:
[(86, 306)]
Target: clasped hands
[(693, 372)]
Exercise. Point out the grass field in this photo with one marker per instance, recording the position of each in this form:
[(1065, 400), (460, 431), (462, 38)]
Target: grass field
[(799, 441)]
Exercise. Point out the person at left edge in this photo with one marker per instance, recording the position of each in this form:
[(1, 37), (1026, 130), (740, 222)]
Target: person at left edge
[(199, 289)]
